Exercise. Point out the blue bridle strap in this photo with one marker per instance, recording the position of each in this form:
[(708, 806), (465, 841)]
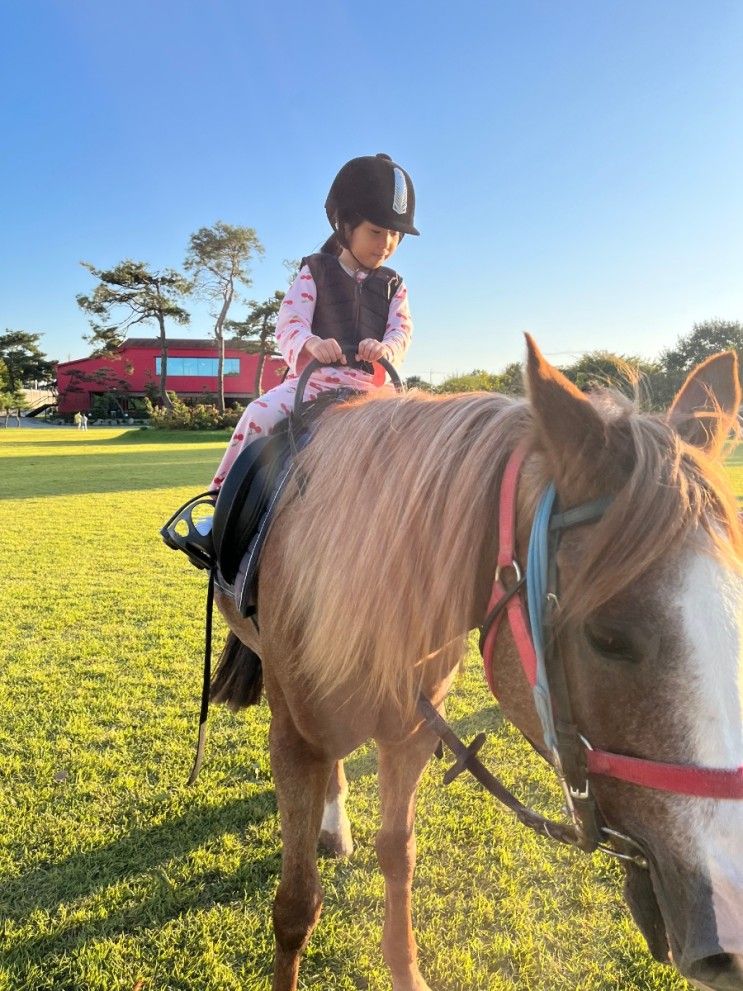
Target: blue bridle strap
[(537, 569), (547, 521)]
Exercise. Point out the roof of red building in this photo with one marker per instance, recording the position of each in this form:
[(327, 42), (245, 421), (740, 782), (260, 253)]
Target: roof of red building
[(197, 343)]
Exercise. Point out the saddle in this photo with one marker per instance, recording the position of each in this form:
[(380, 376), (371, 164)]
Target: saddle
[(245, 496), (243, 509)]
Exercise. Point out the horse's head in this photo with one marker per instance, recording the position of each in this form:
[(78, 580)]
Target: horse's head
[(650, 630)]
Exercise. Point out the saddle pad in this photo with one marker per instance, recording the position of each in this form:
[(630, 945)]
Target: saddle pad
[(244, 591), (243, 497)]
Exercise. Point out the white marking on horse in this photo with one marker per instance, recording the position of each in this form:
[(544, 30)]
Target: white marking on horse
[(712, 616), (332, 817), (335, 830)]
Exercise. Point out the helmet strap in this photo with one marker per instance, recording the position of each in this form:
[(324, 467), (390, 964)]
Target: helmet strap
[(343, 241), (356, 260)]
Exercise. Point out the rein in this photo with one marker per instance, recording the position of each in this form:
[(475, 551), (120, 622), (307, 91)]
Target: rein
[(531, 622)]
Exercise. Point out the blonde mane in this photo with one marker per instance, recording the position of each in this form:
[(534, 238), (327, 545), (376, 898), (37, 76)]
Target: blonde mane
[(382, 555), (672, 489)]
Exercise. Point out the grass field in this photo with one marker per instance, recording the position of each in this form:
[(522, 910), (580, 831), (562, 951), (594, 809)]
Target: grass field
[(114, 876)]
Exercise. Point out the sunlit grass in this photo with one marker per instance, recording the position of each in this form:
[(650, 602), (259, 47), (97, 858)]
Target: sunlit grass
[(112, 872)]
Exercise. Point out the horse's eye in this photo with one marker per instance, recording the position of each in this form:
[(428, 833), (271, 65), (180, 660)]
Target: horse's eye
[(611, 643)]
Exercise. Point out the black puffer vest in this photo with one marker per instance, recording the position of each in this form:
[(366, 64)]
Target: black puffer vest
[(348, 310)]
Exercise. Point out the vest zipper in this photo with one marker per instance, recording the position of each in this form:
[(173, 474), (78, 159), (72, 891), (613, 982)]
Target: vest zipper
[(357, 317)]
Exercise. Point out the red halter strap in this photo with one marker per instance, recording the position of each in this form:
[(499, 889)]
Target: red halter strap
[(680, 779), (515, 607)]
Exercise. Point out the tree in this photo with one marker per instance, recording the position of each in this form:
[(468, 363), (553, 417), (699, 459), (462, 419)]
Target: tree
[(478, 380), (23, 359), (12, 397), (109, 385), (129, 294), (511, 380), (603, 369), (219, 257), (259, 328), (705, 339), (416, 382)]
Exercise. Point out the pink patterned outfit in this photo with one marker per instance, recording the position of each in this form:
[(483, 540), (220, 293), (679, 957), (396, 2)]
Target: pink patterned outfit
[(293, 329)]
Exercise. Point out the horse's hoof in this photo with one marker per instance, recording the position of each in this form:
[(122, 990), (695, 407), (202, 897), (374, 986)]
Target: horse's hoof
[(419, 985), (335, 845)]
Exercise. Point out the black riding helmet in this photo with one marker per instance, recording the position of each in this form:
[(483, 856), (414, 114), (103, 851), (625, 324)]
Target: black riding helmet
[(375, 188)]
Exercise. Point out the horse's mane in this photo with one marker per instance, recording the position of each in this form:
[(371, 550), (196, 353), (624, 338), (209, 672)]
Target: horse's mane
[(380, 554), (671, 490)]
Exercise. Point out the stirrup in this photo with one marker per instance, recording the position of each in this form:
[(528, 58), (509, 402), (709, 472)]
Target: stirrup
[(196, 543)]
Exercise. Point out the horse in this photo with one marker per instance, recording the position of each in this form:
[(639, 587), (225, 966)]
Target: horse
[(380, 560)]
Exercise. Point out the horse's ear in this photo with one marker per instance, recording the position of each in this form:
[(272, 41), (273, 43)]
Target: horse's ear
[(570, 430), (706, 407)]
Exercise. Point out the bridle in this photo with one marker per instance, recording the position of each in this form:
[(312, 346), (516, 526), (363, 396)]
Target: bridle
[(532, 624)]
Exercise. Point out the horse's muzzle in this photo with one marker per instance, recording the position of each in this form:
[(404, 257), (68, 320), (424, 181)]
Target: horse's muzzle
[(721, 972)]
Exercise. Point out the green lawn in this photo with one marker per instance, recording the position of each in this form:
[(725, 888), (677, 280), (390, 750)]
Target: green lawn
[(114, 875)]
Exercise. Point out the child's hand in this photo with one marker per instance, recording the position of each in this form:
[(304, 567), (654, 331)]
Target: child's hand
[(326, 351), (372, 350)]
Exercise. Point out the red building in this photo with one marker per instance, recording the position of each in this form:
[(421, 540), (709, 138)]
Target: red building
[(192, 373)]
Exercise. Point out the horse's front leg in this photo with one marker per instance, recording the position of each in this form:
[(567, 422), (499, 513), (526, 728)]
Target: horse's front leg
[(400, 770), (301, 780)]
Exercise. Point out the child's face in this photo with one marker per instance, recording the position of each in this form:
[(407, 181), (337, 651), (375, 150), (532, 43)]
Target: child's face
[(373, 245)]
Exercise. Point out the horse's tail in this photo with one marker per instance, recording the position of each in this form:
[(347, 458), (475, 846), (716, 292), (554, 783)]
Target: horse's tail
[(238, 680)]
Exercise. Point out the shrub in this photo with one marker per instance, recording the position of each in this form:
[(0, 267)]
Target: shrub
[(199, 417)]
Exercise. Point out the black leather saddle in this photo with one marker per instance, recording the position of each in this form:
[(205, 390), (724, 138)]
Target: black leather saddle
[(244, 497)]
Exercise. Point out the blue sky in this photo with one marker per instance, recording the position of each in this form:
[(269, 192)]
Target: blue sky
[(577, 165)]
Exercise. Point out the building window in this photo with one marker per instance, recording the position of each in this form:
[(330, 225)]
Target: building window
[(198, 367)]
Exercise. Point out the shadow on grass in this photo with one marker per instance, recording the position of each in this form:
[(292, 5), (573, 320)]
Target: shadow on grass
[(129, 437), (47, 888), (146, 917), (163, 905), (123, 471)]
